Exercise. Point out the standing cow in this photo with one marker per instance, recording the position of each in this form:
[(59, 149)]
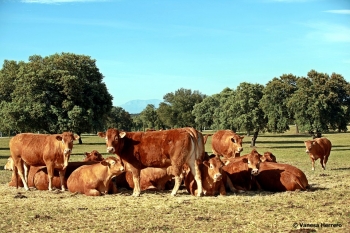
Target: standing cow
[(169, 149), (95, 179), (52, 151), (226, 143), (318, 148)]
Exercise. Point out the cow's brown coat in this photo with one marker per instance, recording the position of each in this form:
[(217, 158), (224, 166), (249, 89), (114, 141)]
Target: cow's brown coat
[(226, 143)]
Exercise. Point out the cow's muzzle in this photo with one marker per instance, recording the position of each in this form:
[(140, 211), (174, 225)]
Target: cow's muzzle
[(110, 149), (217, 177), (255, 172), (67, 151)]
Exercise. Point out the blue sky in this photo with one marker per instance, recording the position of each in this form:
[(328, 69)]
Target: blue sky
[(146, 49)]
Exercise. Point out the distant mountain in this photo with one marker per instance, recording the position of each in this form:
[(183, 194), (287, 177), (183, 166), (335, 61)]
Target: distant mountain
[(137, 106)]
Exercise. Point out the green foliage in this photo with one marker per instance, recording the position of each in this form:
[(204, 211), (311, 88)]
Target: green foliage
[(54, 94), (204, 111), (120, 119)]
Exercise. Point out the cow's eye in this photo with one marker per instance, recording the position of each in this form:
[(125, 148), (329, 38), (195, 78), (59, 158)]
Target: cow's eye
[(116, 138)]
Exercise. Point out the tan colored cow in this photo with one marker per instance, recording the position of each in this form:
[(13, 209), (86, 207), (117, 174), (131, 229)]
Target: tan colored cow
[(52, 151), (226, 143), (319, 148), (94, 180)]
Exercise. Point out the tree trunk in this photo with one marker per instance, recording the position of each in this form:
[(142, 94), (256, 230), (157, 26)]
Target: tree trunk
[(255, 136), (296, 129), (79, 140)]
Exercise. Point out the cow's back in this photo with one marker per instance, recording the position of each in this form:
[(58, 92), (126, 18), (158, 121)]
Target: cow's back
[(222, 145), (31, 147), (325, 145), (277, 177)]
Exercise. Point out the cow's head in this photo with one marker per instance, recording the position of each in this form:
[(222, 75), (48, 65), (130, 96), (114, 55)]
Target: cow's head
[(114, 140), (9, 165), (66, 138), (214, 165), (253, 161), (309, 144), (269, 157), (93, 156), (237, 144), (114, 164)]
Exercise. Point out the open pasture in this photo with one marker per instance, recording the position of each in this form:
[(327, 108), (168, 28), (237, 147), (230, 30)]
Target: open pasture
[(327, 202)]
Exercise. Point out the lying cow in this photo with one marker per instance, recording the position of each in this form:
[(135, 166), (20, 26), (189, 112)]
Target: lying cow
[(94, 180), (52, 151), (163, 149), (278, 177), (319, 148), (152, 178), (38, 176), (226, 143), (213, 180), (93, 156), (240, 170)]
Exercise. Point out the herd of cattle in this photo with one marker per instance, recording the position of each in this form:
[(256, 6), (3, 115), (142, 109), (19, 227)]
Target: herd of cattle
[(155, 160)]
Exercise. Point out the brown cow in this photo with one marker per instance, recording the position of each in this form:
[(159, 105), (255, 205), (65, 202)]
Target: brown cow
[(239, 170), (318, 148), (93, 156), (52, 151), (94, 180), (213, 179), (151, 178), (268, 157), (226, 143), (278, 177), (164, 149)]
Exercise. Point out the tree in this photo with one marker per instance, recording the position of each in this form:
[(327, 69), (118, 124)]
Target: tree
[(276, 95), (61, 92), (120, 119), (149, 116), (204, 111), (246, 114), (179, 105), (222, 114)]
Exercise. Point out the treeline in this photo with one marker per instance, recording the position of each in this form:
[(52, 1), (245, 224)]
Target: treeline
[(66, 92)]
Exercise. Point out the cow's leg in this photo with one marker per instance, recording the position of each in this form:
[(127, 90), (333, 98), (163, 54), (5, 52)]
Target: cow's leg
[(197, 176), (20, 170), (92, 192), (325, 161), (62, 173), (313, 164), (136, 180), (50, 172), (26, 169), (322, 164)]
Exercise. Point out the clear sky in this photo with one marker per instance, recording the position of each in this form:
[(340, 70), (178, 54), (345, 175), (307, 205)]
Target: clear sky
[(148, 48)]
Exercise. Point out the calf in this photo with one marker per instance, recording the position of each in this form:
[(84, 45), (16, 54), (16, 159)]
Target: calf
[(94, 180), (240, 170), (278, 177), (213, 180), (318, 148)]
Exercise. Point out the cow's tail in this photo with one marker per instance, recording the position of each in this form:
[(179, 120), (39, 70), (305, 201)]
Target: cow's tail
[(15, 174)]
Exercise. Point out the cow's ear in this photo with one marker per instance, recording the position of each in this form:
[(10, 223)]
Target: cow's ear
[(104, 163), (58, 138), (206, 163), (233, 140), (242, 137), (101, 134), (245, 160), (122, 134), (86, 154)]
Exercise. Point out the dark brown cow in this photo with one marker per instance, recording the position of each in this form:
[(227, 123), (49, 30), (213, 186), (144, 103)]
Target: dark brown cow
[(93, 156), (164, 149), (318, 148), (213, 179), (152, 178), (239, 170), (52, 151), (226, 143), (278, 177), (94, 180)]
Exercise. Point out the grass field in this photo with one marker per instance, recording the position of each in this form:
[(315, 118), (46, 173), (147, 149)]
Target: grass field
[(328, 202)]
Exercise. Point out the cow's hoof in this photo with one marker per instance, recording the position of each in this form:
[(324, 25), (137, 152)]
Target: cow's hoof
[(136, 194)]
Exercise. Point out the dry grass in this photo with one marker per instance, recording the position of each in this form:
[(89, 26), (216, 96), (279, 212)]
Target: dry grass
[(327, 202)]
